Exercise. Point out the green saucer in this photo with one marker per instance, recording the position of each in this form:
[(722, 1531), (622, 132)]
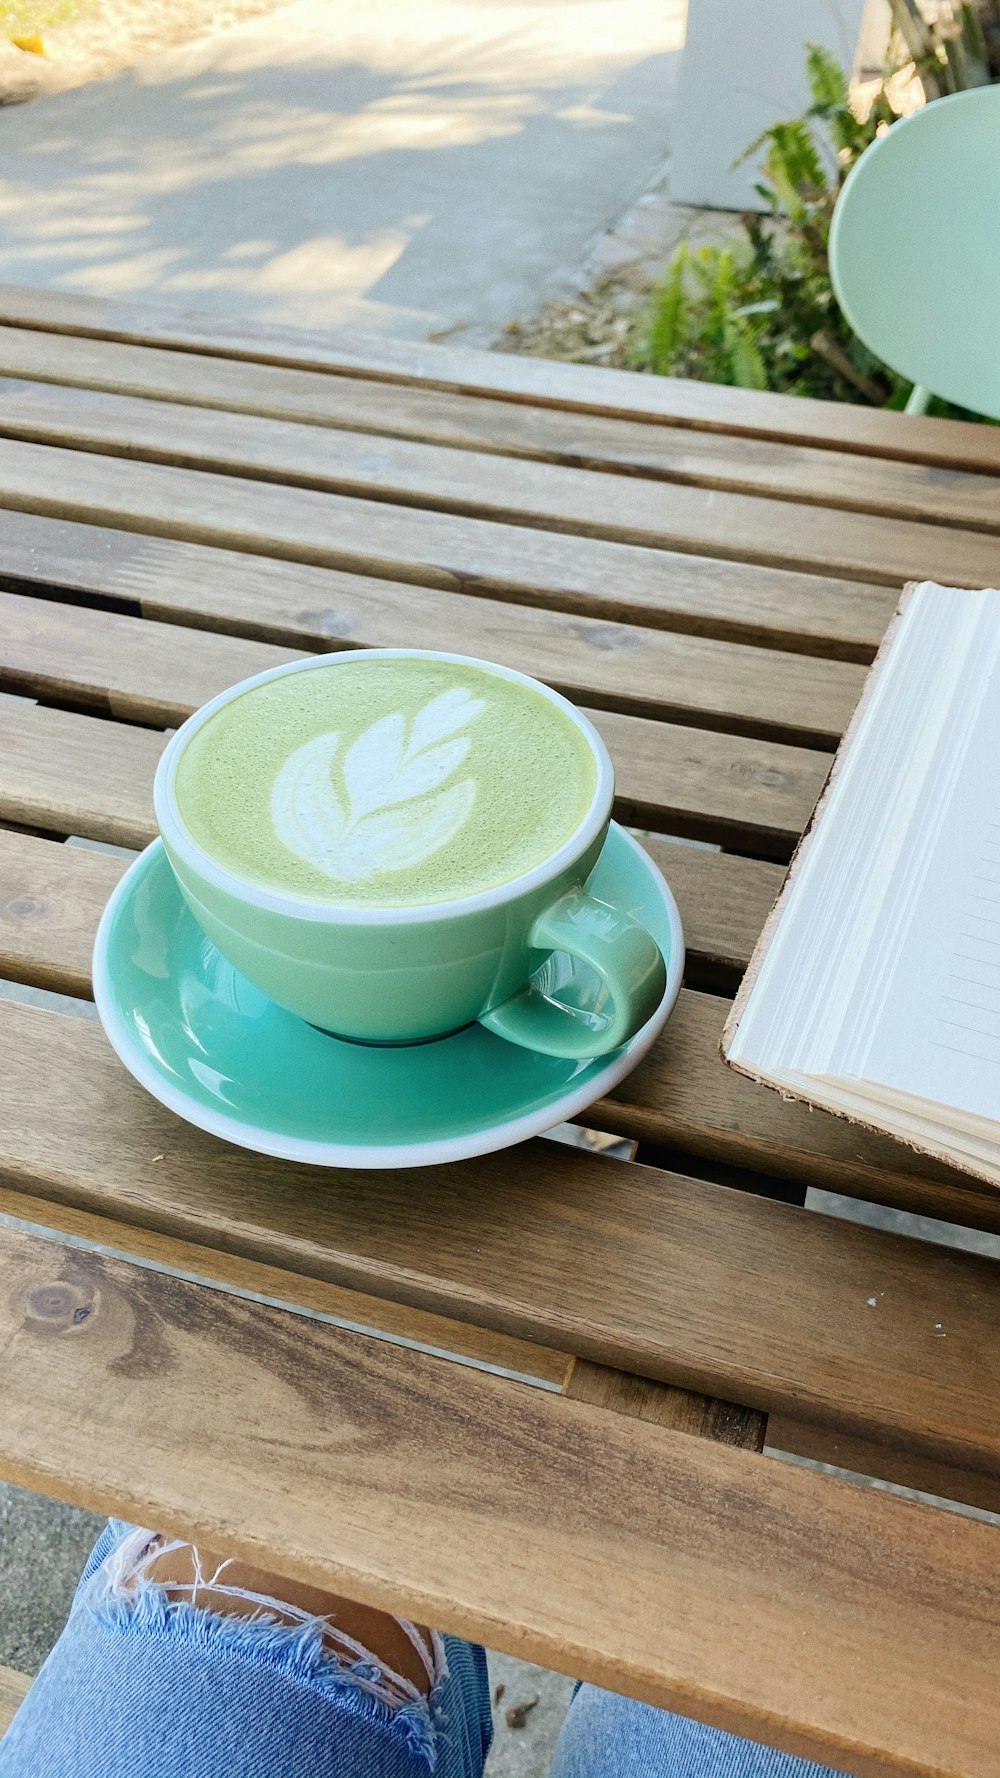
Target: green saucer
[(216, 1051)]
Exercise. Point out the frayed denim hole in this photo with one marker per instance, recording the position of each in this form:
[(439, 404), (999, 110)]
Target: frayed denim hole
[(122, 1596)]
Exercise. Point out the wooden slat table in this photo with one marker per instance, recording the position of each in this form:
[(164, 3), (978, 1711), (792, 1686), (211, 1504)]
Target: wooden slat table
[(291, 1365)]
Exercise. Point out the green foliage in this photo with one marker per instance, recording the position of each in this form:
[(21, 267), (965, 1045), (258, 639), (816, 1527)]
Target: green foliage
[(827, 81), (760, 312), (669, 325), (24, 18), (696, 317), (953, 45)]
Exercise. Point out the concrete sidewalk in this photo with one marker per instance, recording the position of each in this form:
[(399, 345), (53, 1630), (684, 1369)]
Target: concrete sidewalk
[(431, 168)]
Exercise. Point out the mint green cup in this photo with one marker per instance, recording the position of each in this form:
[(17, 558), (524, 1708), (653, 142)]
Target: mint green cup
[(537, 960)]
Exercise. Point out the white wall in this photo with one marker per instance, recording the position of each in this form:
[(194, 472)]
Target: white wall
[(743, 68)]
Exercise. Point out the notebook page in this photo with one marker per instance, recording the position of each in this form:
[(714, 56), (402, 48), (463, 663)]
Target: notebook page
[(929, 1024), (827, 960)]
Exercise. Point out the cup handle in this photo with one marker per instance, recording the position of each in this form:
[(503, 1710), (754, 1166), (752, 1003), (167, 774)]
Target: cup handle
[(624, 957)]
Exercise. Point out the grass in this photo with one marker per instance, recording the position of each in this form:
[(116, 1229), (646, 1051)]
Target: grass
[(24, 18)]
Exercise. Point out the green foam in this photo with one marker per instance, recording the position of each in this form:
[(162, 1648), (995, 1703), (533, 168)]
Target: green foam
[(472, 781)]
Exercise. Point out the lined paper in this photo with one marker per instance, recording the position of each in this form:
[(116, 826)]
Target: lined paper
[(938, 1033), (968, 1022), (880, 984)]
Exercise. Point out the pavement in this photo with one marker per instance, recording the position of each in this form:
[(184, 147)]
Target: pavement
[(43, 1546), (419, 169)]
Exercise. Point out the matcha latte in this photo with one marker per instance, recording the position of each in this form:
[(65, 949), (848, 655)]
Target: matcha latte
[(389, 782)]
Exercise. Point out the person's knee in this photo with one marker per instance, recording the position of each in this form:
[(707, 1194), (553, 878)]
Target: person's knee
[(233, 1588)]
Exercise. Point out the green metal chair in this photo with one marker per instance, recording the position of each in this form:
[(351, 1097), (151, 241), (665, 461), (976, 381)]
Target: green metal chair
[(915, 250)]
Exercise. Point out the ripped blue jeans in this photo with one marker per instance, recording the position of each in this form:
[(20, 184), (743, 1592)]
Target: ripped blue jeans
[(146, 1683)]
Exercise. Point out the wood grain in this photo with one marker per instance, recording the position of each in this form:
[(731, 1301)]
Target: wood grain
[(906, 1469), (539, 433), (292, 602), (58, 893), (53, 646), (604, 1387), (154, 674), (681, 1096), (701, 1416), (616, 1550), (525, 381), (722, 900), (684, 1095), (73, 773), (52, 896), (368, 1314), (14, 1687), (628, 667), (688, 1283), (403, 504)]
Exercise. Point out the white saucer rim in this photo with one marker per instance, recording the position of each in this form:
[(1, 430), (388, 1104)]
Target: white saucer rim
[(381, 1156)]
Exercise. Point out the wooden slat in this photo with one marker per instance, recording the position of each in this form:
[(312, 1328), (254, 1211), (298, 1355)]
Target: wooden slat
[(692, 1284), (52, 896), (51, 899), (723, 901), (395, 542), (291, 601), (213, 1265), (702, 1416), (141, 670), (658, 1402), (541, 434), (75, 774), (907, 1469), (616, 1550), (684, 1095), (609, 665), (13, 1688), (155, 674), (529, 381), (430, 483)]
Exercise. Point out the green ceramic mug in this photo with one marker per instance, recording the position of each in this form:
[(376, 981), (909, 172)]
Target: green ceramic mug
[(536, 959)]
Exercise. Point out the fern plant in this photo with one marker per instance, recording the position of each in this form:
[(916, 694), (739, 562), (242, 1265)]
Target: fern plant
[(698, 317), (761, 313)]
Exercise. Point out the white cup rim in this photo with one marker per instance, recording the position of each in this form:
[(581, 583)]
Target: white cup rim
[(177, 838)]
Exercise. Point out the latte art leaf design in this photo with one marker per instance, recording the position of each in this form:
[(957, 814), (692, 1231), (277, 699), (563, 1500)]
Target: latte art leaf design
[(392, 807)]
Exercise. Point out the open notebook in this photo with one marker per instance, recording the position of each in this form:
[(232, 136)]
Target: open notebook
[(875, 988)]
